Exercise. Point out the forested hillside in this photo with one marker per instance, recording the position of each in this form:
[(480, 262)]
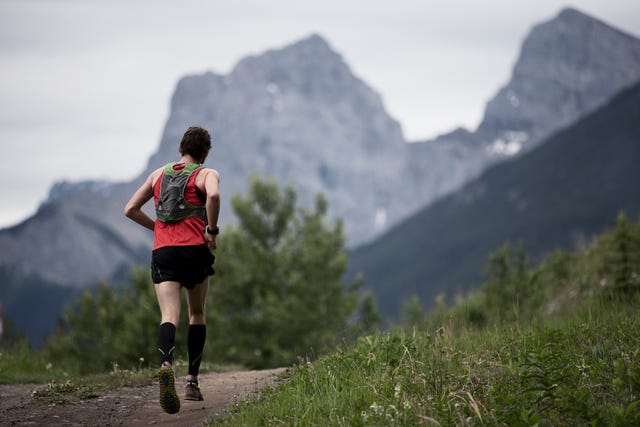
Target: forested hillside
[(557, 196)]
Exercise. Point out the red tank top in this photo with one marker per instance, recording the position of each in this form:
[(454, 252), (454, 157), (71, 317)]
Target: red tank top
[(189, 231)]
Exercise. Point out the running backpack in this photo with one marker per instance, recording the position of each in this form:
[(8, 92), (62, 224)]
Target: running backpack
[(172, 206)]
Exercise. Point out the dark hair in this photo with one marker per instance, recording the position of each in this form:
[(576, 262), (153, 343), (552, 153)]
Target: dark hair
[(196, 142)]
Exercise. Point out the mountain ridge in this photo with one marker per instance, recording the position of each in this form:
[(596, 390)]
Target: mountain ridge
[(584, 185), (540, 98)]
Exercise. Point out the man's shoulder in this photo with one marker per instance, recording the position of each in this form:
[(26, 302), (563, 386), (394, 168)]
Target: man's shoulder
[(211, 172), (153, 176)]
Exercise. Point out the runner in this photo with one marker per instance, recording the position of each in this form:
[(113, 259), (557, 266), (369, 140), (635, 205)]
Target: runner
[(187, 204)]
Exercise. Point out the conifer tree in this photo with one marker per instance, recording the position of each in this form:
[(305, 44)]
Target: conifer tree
[(625, 257), (369, 316), (278, 293), (107, 327)]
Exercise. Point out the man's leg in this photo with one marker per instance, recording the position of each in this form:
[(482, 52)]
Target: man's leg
[(168, 294), (196, 337)]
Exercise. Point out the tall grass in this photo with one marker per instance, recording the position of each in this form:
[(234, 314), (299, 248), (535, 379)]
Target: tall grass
[(20, 363), (582, 369), (556, 345)]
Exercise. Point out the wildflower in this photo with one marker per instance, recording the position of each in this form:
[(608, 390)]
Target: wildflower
[(376, 409), (391, 413), (397, 390)]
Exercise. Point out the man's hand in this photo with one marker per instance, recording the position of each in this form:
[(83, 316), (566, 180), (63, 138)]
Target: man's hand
[(210, 240)]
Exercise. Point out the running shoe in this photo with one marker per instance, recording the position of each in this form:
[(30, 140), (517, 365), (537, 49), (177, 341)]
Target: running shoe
[(193, 390), (168, 397)]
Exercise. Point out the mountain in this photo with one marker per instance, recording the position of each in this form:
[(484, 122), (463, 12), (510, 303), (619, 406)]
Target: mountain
[(555, 196), (300, 115), (566, 68), (86, 238), (296, 113), (32, 305)]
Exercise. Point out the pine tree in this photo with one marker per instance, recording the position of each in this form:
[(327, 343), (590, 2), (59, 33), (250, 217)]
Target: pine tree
[(369, 318), (625, 257), (107, 326), (278, 293)]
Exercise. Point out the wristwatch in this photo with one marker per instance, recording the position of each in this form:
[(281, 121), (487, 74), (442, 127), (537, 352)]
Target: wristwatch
[(213, 232)]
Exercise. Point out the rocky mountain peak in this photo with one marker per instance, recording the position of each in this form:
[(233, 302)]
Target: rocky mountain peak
[(300, 115), (567, 67), (572, 16), (312, 49), (309, 66)]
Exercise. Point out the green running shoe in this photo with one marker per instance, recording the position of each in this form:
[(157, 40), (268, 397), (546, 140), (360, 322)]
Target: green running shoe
[(168, 397)]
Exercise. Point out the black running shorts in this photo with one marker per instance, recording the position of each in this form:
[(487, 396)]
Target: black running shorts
[(187, 265)]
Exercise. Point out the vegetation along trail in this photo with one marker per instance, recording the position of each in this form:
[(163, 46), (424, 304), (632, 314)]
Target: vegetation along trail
[(30, 404)]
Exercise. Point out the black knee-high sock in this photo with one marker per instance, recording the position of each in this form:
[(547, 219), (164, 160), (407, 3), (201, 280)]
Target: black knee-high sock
[(195, 344), (166, 341)]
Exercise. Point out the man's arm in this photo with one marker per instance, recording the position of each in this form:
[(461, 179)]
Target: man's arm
[(133, 209), (212, 204)]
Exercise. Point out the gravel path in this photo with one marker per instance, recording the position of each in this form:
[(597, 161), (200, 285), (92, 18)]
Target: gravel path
[(134, 406)]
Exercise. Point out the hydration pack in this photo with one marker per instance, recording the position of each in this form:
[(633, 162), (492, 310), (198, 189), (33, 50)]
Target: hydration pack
[(172, 206)]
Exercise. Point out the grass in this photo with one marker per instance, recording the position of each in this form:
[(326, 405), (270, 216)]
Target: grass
[(20, 363), (92, 386), (583, 369)]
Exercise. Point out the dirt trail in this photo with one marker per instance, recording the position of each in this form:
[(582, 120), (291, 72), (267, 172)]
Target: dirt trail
[(134, 406)]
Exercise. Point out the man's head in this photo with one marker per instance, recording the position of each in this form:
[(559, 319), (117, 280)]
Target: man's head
[(196, 142)]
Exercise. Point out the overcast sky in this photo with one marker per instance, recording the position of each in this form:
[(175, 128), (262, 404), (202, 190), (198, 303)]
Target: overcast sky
[(85, 85)]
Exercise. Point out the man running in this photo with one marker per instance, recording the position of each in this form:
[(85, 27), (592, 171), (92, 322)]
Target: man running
[(187, 204)]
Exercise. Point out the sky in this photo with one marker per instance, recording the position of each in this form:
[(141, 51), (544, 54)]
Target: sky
[(85, 85)]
